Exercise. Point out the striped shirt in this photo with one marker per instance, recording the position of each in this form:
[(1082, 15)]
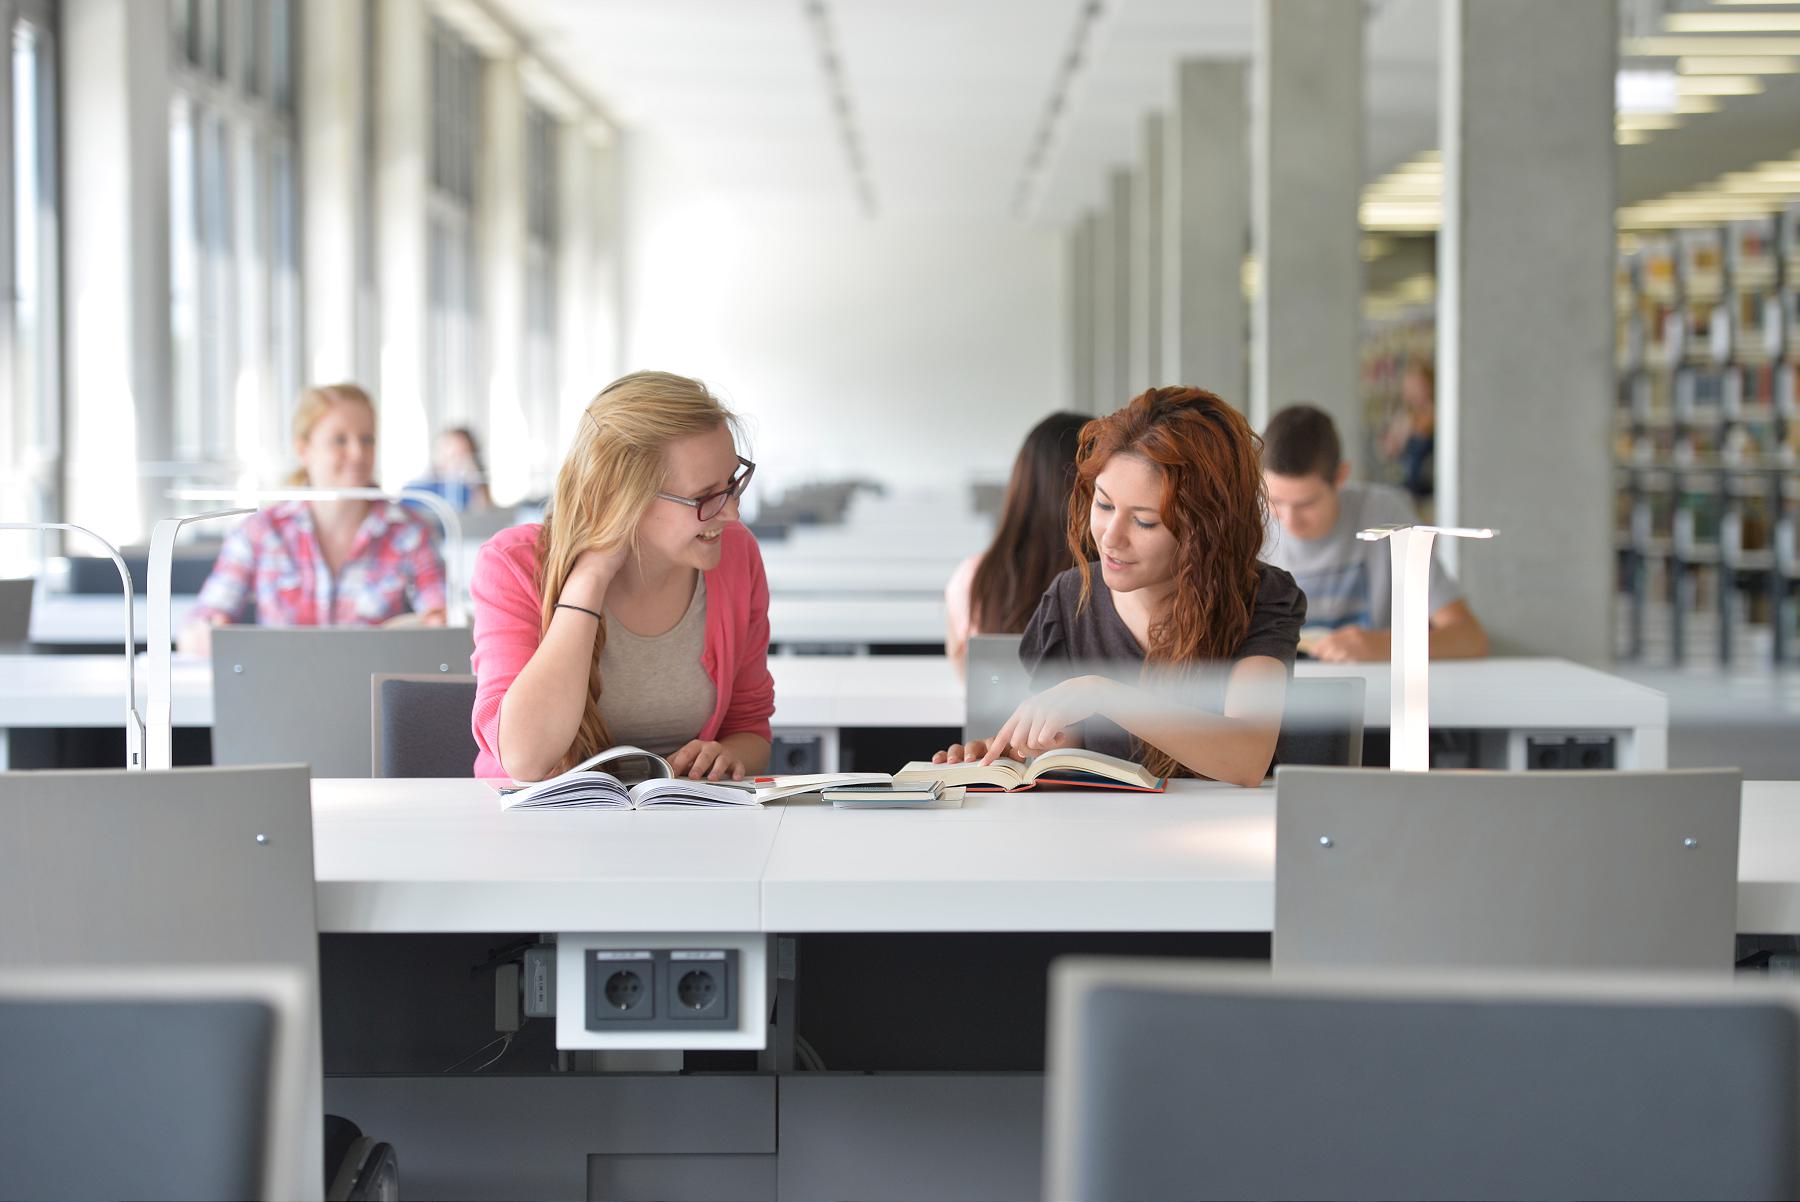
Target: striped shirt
[(1349, 582)]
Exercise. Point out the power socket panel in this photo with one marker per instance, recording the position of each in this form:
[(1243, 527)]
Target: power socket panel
[(661, 990)]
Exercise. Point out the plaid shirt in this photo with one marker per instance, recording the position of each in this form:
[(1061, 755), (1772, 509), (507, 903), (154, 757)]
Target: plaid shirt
[(274, 559)]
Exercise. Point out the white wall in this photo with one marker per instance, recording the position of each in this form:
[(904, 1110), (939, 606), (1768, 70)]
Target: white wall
[(911, 350)]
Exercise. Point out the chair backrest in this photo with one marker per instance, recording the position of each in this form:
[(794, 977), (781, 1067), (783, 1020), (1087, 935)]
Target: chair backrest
[(1323, 722), (15, 613), (301, 695), (995, 684), (152, 1083), (1170, 1079), (189, 867), (1574, 870), (420, 725)]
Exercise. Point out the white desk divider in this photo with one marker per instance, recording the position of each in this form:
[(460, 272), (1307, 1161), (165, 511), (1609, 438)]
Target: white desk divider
[(456, 613), (159, 635), (134, 723), (1409, 726)]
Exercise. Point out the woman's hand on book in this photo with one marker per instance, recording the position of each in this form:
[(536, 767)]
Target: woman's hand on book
[(1046, 722), (700, 760), (961, 753)]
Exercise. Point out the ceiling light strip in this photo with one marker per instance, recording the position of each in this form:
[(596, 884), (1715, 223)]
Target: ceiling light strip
[(837, 88), (1059, 107)]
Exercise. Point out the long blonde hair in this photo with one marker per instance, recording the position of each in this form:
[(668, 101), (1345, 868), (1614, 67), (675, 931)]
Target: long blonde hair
[(610, 477), (314, 404)]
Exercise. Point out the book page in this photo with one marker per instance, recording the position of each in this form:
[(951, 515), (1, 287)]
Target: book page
[(678, 791), (1078, 761), (1003, 773)]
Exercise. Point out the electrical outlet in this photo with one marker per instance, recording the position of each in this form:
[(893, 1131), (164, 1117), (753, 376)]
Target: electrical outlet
[(621, 989), (699, 987), (1592, 753), (540, 981)]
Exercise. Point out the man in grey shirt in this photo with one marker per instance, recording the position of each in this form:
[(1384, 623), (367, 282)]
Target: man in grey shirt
[(1315, 514)]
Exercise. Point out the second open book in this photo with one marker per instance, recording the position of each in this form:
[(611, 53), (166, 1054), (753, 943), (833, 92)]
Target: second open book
[(1071, 766)]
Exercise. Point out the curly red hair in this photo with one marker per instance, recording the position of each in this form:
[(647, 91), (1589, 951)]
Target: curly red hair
[(1213, 503)]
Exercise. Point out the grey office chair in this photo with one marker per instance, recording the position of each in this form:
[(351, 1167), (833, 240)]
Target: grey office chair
[(1323, 722), (994, 686), (1180, 1080), (191, 867), (152, 1083), (15, 614), (1627, 870), (420, 725), (301, 695)]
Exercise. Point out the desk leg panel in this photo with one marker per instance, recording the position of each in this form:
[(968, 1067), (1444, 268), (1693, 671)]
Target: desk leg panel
[(911, 1137), (528, 1137)]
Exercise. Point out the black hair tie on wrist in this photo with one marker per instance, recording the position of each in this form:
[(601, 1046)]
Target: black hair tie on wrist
[(579, 609)]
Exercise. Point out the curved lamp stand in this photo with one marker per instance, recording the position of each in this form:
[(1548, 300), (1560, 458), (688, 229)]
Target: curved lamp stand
[(455, 613), (134, 723), (160, 634), (1409, 726)]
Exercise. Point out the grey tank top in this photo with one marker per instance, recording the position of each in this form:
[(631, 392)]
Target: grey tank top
[(654, 693)]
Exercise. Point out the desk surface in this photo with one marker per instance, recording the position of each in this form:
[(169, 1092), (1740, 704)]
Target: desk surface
[(394, 856), (904, 690)]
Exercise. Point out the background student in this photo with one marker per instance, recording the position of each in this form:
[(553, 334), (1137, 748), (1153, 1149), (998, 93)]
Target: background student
[(997, 591), (457, 472), (637, 612), (1195, 637), (348, 562), (1348, 582)]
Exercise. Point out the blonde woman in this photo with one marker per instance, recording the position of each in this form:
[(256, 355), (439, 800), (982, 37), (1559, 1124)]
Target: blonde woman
[(320, 562), (637, 612)]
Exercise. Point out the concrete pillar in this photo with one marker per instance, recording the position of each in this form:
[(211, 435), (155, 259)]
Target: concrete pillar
[(1117, 385), (1206, 323), (1525, 367), (1307, 172), (1106, 297), (590, 306), (335, 184), (1081, 312), (501, 236), (1147, 262), (115, 245), (403, 147)]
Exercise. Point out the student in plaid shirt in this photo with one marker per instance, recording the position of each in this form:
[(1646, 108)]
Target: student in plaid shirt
[(325, 563)]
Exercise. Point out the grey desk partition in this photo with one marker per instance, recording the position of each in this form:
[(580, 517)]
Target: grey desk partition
[(151, 1083), (190, 867), (994, 686), (420, 726), (302, 695), (1182, 1080), (1573, 870), (15, 613), (1323, 722)]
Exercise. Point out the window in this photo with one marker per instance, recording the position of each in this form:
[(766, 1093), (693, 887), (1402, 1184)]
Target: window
[(541, 186), (234, 303), (31, 424), (453, 323)]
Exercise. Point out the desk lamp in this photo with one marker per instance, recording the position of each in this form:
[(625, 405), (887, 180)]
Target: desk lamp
[(159, 635), (134, 723), (1409, 723)]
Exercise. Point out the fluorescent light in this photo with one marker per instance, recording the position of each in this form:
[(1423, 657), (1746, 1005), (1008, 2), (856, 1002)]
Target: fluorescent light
[(1648, 121), (1636, 91), (1632, 137), (1676, 47), (1690, 105), (1737, 66), (1718, 85), (1703, 22)]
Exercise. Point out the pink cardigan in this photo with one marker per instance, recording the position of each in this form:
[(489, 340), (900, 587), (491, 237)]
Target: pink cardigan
[(507, 633)]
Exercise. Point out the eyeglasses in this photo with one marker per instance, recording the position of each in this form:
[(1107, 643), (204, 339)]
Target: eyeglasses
[(711, 505)]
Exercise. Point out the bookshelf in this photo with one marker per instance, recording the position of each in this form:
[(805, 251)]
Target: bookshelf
[(1707, 442)]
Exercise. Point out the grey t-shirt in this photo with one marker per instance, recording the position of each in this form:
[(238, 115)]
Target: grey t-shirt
[(1349, 582), (1064, 639), (654, 693)]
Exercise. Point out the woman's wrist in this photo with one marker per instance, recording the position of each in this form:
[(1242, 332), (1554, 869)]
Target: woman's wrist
[(587, 584)]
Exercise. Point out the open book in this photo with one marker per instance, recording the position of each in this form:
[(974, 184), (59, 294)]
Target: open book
[(1069, 766), (586, 785)]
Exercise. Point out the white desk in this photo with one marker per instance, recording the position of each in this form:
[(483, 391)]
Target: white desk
[(859, 620), (96, 619), (826, 694), (400, 855)]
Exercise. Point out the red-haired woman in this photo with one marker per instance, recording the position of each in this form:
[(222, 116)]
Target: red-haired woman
[(1180, 658)]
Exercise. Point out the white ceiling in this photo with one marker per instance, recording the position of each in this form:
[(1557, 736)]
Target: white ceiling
[(947, 95)]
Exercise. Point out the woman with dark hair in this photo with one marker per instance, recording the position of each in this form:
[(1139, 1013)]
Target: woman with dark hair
[(997, 591), (1180, 659)]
